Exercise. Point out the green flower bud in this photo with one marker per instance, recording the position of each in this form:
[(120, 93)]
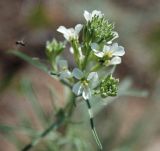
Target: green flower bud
[(54, 48), (109, 86), (100, 30)]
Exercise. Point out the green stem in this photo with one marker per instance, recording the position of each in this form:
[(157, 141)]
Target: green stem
[(113, 69), (54, 125), (85, 61), (86, 48), (66, 83), (75, 46), (92, 125), (62, 115), (53, 64), (70, 106), (96, 67), (62, 80)]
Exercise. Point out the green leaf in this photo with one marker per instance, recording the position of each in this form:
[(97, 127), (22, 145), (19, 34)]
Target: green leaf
[(29, 92), (6, 128), (30, 60)]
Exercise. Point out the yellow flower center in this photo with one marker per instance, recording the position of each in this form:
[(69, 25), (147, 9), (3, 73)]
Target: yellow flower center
[(109, 54), (85, 83), (64, 68)]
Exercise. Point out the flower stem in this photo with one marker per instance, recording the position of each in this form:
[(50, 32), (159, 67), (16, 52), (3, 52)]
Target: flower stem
[(75, 45), (86, 48), (113, 69), (92, 125), (62, 80), (96, 67)]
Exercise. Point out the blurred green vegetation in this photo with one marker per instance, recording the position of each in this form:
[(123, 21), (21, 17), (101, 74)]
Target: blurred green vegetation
[(153, 41), (38, 17)]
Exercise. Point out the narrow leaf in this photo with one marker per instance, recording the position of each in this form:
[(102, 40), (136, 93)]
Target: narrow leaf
[(34, 62)]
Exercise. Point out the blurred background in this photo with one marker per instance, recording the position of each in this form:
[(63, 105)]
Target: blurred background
[(131, 123)]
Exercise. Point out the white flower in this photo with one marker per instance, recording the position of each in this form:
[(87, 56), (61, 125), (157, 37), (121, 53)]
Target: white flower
[(112, 53), (70, 33), (88, 16), (85, 85), (63, 67)]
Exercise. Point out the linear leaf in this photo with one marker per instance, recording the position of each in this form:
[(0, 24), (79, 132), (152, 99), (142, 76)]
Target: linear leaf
[(35, 62)]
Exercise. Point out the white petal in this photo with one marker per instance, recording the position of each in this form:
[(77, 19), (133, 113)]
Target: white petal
[(92, 76), (71, 50), (94, 46), (119, 51), (115, 36), (77, 88), (93, 79), (67, 36), (71, 30), (77, 73), (106, 48), (115, 60), (114, 46), (109, 42), (99, 54), (86, 93), (64, 31), (97, 13), (72, 33), (62, 64), (78, 28), (65, 74), (87, 15)]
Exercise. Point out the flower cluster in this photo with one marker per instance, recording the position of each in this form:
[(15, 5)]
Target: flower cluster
[(53, 49), (95, 51), (98, 29), (95, 56), (109, 86)]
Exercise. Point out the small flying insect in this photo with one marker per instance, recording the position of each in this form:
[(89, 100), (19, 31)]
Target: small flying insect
[(20, 43)]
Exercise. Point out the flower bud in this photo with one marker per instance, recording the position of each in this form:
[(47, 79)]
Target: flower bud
[(100, 30), (109, 86), (54, 46)]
